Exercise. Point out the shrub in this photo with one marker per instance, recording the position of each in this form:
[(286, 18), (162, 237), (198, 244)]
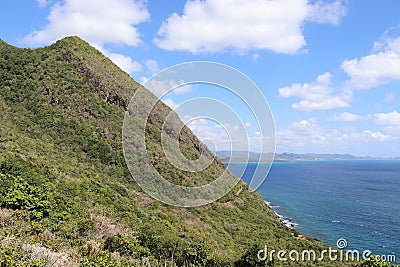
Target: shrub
[(22, 196), (125, 246)]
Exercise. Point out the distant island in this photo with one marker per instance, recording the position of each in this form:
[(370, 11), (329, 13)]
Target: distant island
[(242, 156)]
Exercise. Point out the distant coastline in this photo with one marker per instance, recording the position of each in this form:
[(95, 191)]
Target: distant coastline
[(244, 156)]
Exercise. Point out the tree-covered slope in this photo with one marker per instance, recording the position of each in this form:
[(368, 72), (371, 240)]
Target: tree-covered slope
[(67, 197)]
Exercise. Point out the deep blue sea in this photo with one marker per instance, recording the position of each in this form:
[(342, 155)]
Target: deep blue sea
[(330, 200)]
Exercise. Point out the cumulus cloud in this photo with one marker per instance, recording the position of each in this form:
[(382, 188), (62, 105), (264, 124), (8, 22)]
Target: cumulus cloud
[(318, 95), (387, 119), (99, 22), (347, 117), (309, 133), (166, 88), (376, 68), (390, 119), (152, 66), (126, 63), (214, 25), (169, 102), (305, 133), (380, 67), (222, 136), (209, 133), (322, 12), (378, 136), (299, 133), (219, 136), (393, 131)]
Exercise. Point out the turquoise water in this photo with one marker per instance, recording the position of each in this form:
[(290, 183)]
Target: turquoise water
[(355, 200)]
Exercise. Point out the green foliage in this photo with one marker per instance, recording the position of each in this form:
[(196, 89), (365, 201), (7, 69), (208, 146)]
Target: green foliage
[(161, 238), (21, 195), (125, 246), (11, 256), (105, 259), (196, 254), (249, 258), (375, 261)]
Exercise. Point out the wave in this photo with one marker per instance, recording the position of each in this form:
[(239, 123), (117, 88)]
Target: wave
[(284, 220), (271, 205)]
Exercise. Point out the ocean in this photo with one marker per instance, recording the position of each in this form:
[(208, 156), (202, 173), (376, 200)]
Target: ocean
[(358, 201)]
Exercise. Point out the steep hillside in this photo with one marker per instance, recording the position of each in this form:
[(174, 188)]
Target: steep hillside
[(67, 197)]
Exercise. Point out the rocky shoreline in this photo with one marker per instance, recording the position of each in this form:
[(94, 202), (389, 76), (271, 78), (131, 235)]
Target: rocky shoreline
[(283, 220)]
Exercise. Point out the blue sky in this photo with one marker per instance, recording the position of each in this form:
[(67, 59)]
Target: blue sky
[(330, 70)]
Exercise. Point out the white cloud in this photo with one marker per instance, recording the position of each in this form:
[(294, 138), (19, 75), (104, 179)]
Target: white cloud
[(143, 79), (325, 104), (390, 119), (347, 117), (97, 21), (309, 133), (163, 88), (124, 62), (169, 102), (222, 136), (380, 67), (393, 131), (378, 136), (332, 13), (306, 133), (301, 133), (375, 69), (225, 136), (387, 119), (152, 66), (318, 95), (214, 25)]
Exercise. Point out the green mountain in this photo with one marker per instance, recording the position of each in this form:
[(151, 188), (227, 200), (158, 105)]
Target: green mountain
[(67, 197)]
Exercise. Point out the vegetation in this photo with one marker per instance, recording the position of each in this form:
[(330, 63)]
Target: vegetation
[(67, 197)]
